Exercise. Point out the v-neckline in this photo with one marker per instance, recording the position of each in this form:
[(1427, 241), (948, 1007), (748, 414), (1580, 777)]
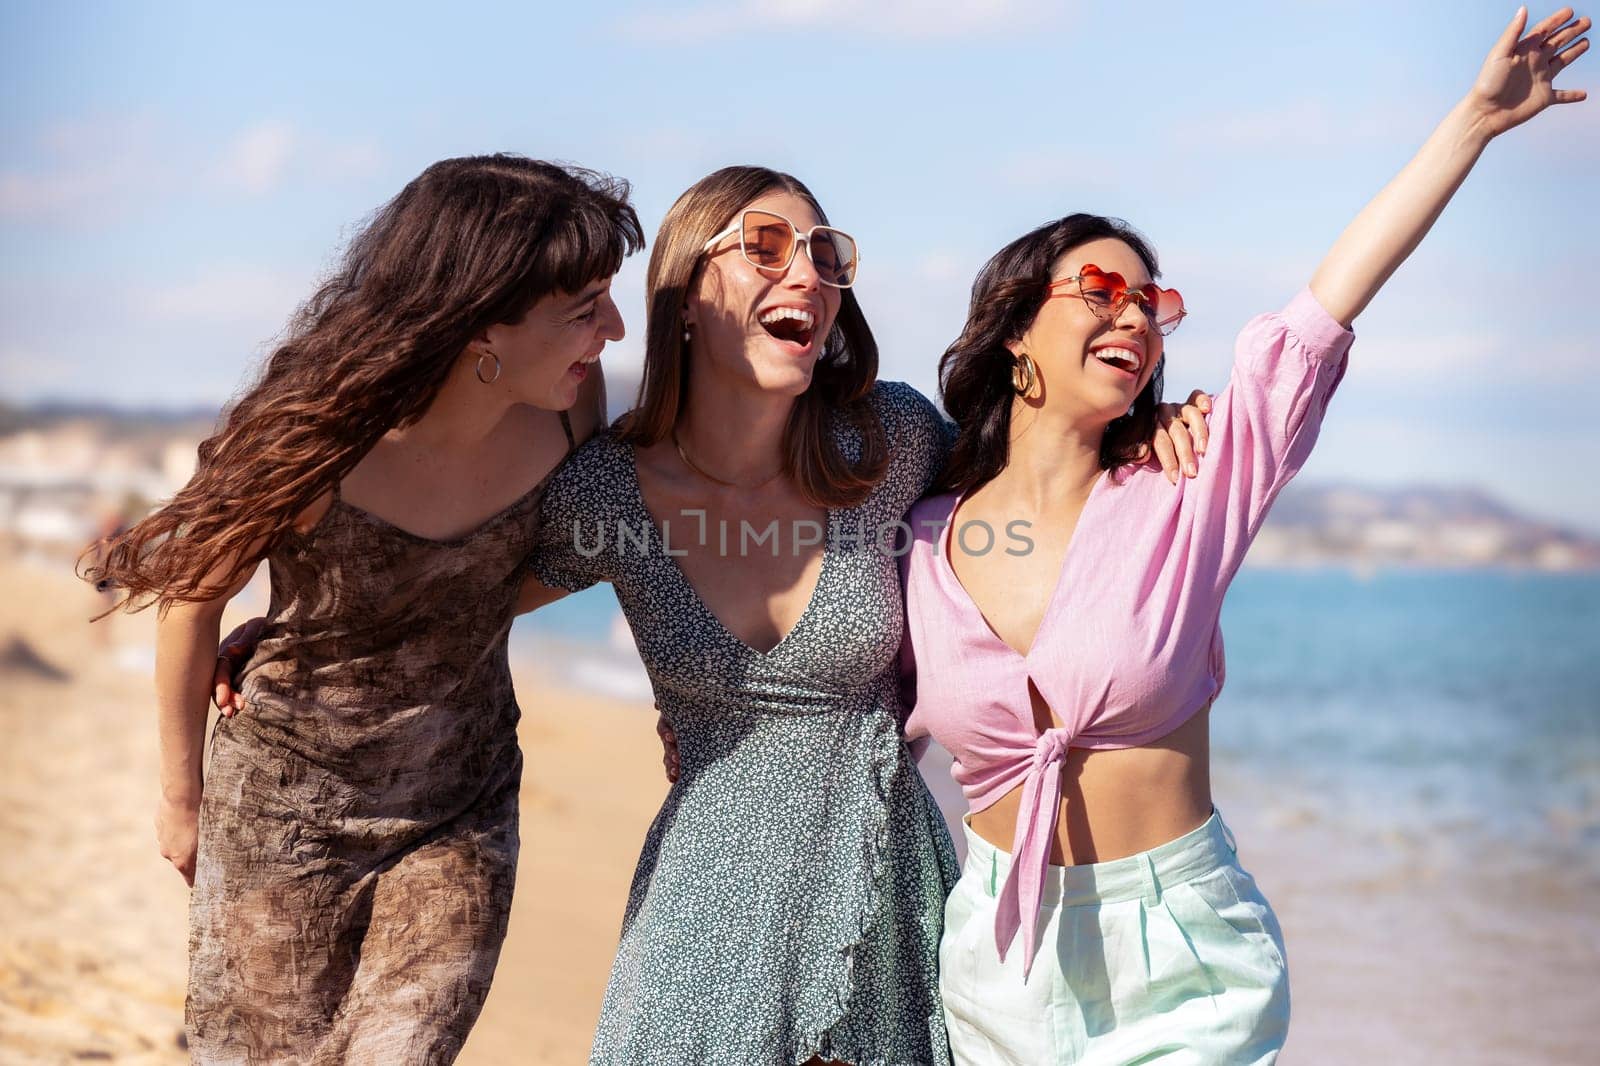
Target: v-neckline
[(1051, 604), (631, 461)]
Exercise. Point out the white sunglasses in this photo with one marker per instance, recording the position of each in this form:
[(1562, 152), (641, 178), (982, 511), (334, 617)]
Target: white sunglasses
[(768, 241)]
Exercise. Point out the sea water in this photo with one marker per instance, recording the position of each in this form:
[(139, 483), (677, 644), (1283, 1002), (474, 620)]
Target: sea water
[(1460, 703)]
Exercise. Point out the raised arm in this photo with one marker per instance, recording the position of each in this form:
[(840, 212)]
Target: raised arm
[(1515, 84)]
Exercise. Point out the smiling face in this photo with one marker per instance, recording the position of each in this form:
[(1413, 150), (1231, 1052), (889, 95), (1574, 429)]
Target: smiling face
[(761, 326), (545, 355), (1093, 366)]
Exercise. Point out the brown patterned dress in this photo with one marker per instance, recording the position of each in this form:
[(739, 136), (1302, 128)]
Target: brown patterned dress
[(358, 831)]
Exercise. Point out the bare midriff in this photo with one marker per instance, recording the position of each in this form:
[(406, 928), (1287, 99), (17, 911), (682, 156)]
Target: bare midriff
[(1121, 801)]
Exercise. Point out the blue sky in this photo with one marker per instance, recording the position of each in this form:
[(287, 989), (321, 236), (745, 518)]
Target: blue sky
[(174, 178)]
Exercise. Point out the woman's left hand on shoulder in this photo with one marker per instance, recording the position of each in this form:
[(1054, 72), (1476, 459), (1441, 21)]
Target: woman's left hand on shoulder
[(1181, 435)]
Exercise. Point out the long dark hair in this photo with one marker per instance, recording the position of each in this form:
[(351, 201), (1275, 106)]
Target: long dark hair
[(975, 372), (844, 373), (467, 244)]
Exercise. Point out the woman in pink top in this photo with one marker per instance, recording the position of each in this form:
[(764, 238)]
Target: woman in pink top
[(1062, 618)]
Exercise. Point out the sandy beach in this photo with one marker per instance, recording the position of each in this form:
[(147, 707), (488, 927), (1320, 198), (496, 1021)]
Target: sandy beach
[(1402, 949)]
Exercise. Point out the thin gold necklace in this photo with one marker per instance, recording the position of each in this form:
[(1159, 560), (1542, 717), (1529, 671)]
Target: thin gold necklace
[(692, 465)]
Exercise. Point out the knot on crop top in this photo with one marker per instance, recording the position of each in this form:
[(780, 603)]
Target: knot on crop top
[(1051, 747), (1030, 851)]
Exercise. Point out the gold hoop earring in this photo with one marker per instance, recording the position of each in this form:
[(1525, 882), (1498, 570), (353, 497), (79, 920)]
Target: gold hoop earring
[(479, 368), (1024, 375)]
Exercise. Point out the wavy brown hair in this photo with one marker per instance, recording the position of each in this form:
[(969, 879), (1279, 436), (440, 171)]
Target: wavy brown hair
[(975, 372), (469, 243), (840, 384)]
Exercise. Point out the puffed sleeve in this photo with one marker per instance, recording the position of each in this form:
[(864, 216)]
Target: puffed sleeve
[(1263, 424)]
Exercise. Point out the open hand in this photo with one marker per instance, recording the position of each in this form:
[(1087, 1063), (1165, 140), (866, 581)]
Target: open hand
[(1518, 78)]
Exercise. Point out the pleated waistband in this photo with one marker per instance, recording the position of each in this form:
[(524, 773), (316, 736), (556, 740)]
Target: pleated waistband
[(1191, 856)]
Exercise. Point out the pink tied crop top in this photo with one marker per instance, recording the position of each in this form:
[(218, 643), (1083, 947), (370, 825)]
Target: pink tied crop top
[(1129, 647)]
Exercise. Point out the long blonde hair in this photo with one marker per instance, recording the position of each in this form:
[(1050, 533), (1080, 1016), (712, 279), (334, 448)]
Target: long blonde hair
[(845, 371)]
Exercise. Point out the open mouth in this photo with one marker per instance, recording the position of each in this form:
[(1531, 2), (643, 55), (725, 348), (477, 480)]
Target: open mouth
[(1120, 358), (792, 324)]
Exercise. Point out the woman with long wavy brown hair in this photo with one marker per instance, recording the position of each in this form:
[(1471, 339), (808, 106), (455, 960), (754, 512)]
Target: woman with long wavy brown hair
[(353, 848)]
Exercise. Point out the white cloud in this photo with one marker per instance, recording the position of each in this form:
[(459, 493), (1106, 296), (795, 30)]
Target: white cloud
[(1415, 358), (1100, 169), (1565, 136), (896, 19), (230, 293), (91, 170), (258, 157), (32, 196), (943, 266), (263, 157), (346, 160), (1302, 123)]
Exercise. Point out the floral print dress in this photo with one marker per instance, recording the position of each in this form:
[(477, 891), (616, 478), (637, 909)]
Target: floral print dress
[(789, 897)]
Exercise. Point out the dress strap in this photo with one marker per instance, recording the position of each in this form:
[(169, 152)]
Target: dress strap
[(566, 427)]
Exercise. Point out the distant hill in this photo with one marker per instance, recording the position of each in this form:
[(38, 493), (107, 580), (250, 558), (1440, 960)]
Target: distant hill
[(115, 421), (1416, 525)]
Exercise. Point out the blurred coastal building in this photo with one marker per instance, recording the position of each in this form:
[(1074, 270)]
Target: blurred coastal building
[(70, 476)]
